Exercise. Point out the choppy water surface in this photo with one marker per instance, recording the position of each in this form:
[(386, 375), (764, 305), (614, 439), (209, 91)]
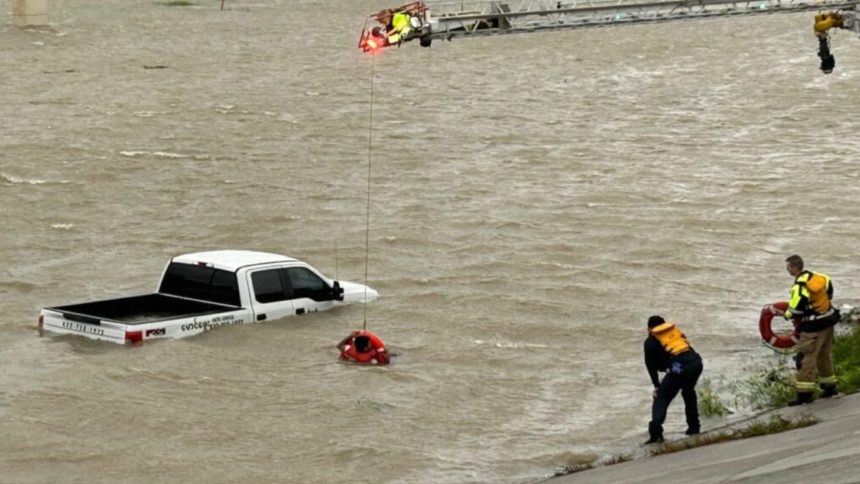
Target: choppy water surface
[(534, 199)]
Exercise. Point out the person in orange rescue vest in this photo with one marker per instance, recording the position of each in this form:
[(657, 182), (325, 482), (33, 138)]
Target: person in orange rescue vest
[(364, 347)]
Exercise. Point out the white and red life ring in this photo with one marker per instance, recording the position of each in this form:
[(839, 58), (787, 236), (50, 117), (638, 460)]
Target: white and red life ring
[(775, 340)]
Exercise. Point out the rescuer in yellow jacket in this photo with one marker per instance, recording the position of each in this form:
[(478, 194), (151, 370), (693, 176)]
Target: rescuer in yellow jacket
[(667, 349), (824, 22), (398, 26), (811, 308)]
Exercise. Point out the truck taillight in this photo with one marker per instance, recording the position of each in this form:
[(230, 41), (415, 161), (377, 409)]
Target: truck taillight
[(133, 337), (40, 322)]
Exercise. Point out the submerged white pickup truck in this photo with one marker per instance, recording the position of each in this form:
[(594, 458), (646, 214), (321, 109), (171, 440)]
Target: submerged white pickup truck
[(203, 290)]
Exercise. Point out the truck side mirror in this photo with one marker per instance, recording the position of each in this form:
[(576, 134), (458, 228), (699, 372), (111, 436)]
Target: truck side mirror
[(336, 291)]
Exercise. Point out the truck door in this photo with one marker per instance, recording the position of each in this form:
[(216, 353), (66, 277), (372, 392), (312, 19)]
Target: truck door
[(271, 294), (310, 292)]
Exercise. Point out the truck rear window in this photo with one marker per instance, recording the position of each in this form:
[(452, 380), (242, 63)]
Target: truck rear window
[(204, 283)]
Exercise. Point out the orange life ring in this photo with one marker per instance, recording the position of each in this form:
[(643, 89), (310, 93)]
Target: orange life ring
[(770, 338)]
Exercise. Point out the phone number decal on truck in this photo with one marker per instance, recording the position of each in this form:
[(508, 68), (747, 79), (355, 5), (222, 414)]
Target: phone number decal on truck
[(83, 328)]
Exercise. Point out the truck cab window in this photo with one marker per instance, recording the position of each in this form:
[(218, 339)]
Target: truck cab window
[(307, 284), (225, 287), (268, 286), (203, 283)]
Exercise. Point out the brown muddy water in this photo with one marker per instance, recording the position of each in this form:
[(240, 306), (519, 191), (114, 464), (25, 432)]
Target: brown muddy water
[(533, 200)]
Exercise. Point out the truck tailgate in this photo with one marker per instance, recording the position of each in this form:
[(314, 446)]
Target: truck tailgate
[(70, 323)]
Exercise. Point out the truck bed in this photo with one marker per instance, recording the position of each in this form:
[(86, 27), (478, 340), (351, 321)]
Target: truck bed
[(148, 308)]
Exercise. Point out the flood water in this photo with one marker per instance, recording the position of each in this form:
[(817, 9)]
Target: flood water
[(533, 199)]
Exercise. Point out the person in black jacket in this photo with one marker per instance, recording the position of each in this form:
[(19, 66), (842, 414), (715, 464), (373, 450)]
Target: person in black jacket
[(667, 349)]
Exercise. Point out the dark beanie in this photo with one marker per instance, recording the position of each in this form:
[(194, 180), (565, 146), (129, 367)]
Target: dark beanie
[(655, 321)]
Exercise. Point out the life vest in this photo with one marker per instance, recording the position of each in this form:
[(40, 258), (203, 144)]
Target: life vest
[(810, 295), (671, 338), (377, 354), (820, 292)]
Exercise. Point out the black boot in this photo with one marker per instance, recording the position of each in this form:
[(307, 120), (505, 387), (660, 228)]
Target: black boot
[(692, 430), (654, 439), (801, 399), (655, 432), (828, 391)]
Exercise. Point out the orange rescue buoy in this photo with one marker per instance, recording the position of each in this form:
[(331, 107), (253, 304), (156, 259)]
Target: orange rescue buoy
[(774, 340)]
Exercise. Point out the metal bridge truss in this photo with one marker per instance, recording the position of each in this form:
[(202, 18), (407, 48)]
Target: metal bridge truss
[(447, 20)]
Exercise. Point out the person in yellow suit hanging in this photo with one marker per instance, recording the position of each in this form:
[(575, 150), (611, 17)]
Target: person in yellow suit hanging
[(824, 22)]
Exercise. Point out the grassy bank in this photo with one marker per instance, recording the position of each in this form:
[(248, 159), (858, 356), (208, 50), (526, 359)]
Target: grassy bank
[(770, 384), (846, 359)]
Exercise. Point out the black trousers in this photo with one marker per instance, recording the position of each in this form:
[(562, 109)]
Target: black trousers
[(683, 379)]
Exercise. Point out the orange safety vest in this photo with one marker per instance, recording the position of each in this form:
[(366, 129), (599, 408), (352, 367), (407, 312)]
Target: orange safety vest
[(671, 338), (816, 288), (820, 290)]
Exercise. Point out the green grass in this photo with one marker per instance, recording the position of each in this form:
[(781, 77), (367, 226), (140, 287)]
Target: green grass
[(777, 424), (709, 402), (846, 360), (177, 3), (769, 386)]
